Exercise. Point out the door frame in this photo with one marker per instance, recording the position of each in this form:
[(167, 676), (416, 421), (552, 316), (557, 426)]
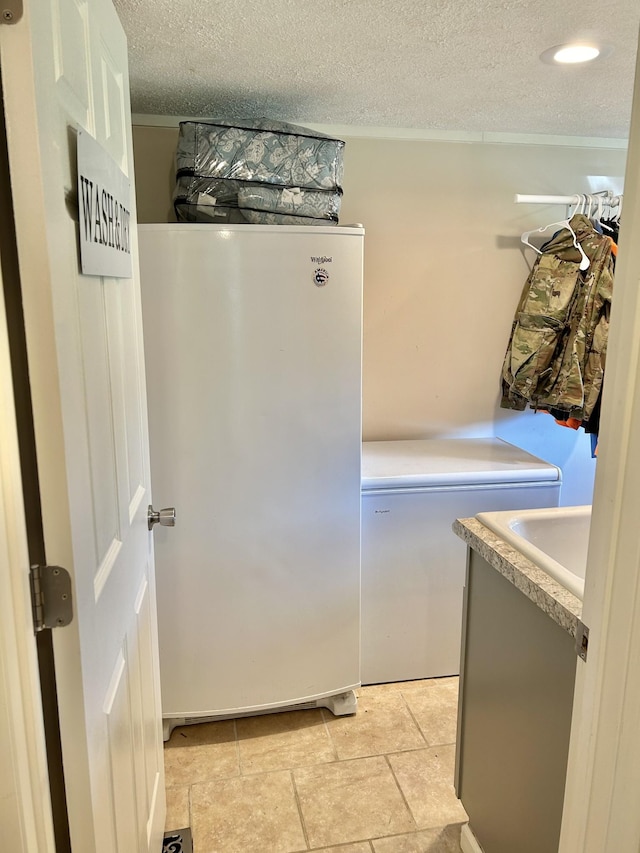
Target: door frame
[(20, 403), (25, 804), (603, 779)]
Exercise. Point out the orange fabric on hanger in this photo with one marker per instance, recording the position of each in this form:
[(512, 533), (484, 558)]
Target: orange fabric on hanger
[(571, 423)]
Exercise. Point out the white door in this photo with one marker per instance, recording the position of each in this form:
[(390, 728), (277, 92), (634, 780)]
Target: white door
[(64, 67)]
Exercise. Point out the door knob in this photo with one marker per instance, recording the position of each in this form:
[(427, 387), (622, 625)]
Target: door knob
[(165, 517)]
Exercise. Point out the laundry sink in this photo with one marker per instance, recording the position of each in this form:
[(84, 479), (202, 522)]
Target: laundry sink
[(555, 539)]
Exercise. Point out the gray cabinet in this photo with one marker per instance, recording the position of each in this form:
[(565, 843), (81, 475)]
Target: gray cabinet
[(516, 695)]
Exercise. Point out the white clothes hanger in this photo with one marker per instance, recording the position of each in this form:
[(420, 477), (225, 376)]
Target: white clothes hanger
[(585, 263), (619, 210)]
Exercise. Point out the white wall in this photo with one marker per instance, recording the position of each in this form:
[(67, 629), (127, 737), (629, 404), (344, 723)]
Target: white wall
[(443, 274)]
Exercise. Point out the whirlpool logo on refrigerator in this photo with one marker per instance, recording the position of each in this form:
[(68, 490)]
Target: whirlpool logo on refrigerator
[(320, 274)]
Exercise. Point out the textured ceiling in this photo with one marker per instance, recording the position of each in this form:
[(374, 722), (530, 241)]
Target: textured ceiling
[(470, 65)]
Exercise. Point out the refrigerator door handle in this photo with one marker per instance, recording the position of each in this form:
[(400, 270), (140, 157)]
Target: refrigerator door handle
[(163, 517)]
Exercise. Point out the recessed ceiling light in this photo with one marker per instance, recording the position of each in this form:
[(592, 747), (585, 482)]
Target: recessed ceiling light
[(576, 53), (573, 54)]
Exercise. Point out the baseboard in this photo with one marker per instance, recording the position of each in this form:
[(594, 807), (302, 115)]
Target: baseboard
[(468, 841)]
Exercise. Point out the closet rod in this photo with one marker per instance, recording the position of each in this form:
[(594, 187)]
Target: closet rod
[(521, 198), (547, 199)]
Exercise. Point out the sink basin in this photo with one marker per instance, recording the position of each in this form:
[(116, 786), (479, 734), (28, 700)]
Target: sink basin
[(555, 539)]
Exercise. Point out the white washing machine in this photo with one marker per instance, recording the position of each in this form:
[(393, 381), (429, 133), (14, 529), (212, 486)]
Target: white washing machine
[(413, 565)]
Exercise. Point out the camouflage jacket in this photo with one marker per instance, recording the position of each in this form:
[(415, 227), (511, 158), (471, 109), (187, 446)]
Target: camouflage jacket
[(557, 350)]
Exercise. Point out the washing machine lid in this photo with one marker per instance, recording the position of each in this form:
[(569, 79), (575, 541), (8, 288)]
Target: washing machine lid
[(454, 462)]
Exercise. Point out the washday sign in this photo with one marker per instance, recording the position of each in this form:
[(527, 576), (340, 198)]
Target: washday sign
[(104, 198)]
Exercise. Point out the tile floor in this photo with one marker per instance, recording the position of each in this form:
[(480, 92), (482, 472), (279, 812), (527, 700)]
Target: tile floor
[(377, 782)]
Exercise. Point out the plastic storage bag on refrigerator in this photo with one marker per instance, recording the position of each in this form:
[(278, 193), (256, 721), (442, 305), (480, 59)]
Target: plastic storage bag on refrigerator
[(258, 171)]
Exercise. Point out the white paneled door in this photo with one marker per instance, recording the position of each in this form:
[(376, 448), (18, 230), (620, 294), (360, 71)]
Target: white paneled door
[(64, 68)]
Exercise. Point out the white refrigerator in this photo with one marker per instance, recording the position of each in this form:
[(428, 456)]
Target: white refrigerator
[(253, 354)]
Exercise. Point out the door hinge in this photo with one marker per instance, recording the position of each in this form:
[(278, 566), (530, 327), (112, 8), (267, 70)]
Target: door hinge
[(582, 640), (11, 12), (50, 597)]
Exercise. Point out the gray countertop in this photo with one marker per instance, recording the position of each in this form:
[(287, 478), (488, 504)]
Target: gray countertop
[(561, 605)]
